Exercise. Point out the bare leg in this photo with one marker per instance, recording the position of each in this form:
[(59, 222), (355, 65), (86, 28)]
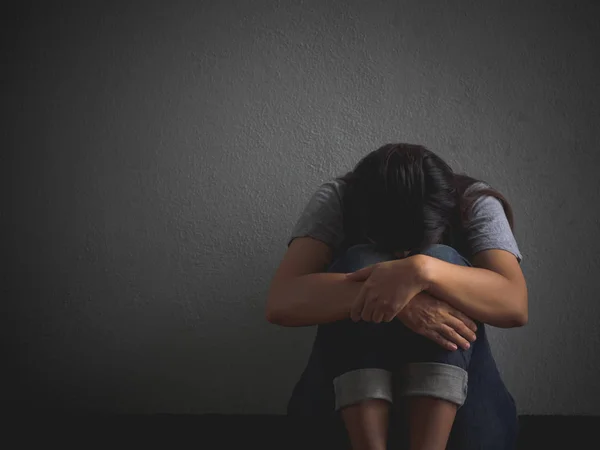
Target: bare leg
[(367, 424), (430, 421)]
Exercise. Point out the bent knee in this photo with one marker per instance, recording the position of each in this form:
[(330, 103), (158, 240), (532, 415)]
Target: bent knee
[(445, 253), (427, 351), (358, 256)]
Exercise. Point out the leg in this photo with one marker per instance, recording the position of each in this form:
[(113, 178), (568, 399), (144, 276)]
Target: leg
[(467, 393), (434, 383), (348, 370), (430, 422), (488, 418), (434, 380), (360, 365), (367, 423)]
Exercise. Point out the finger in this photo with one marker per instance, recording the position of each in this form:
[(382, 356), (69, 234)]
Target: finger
[(378, 315), (389, 316), (368, 310), (358, 305), (463, 318), (462, 329), (441, 340), (453, 336), (361, 274), (383, 312)]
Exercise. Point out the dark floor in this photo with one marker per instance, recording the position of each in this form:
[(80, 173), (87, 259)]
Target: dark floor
[(241, 432)]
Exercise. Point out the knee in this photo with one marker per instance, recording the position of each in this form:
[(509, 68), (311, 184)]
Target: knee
[(424, 350), (438, 373), (358, 256), (445, 253), (440, 251)]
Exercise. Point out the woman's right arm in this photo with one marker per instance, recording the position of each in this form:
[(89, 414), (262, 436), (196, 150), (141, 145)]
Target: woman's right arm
[(301, 294)]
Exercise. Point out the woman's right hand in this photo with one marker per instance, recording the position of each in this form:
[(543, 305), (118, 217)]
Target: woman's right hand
[(438, 321)]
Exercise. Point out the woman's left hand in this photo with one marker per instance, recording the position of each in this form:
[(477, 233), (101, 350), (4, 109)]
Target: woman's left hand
[(388, 287)]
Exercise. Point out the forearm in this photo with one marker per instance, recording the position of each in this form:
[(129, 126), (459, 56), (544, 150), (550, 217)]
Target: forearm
[(481, 294), (312, 299)]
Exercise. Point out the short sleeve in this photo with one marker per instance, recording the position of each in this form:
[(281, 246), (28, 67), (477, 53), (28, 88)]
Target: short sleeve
[(488, 228), (321, 218)]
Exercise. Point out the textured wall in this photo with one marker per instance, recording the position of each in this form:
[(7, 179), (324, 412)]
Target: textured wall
[(159, 156)]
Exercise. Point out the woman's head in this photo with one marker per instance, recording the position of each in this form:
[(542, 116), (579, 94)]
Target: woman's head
[(400, 197)]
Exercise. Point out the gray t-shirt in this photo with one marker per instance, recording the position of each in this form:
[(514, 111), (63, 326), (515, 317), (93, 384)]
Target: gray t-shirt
[(488, 227)]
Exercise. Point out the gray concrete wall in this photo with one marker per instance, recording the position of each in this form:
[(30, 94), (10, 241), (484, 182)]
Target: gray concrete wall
[(157, 157)]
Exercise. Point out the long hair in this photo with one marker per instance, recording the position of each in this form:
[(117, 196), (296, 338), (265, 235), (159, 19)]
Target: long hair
[(404, 197)]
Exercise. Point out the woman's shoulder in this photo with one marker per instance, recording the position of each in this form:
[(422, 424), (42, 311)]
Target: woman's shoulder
[(477, 186), (487, 226), (335, 187), (481, 194)]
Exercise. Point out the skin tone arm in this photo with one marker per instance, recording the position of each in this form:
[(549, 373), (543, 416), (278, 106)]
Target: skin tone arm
[(301, 294), (311, 299), (493, 291)]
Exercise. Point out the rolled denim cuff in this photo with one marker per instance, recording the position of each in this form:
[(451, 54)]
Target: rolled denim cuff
[(362, 384), (435, 380)]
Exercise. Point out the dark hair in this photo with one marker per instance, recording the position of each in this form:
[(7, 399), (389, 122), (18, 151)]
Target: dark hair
[(404, 197)]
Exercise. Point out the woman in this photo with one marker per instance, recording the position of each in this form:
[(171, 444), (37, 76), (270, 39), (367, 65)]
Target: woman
[(401, 263)]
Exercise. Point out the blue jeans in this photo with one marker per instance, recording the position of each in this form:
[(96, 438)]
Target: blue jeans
[(486, 417)]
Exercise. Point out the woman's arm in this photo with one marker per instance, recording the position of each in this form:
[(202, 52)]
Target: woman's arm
[(301, 294), (311, 299), (494, 291)]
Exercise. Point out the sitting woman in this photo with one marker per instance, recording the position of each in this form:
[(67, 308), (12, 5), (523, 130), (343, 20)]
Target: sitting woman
[(401, 263)]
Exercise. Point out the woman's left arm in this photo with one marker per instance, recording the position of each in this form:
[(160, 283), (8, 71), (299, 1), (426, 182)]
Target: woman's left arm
[(493, 291)]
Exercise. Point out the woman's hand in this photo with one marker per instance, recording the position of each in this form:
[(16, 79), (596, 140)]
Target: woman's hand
[(388, 287), (438, 321)]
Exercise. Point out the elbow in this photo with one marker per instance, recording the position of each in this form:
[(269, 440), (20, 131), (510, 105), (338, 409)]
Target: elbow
[(274, 315), (277, 318), (524, 317), (520, 315), (282, 317), (520, 311), (511, 320), (520, 319), (523, 310)]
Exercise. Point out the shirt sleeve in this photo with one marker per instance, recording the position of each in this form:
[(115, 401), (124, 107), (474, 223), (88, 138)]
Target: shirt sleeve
[(488, 228), (321, 218)]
